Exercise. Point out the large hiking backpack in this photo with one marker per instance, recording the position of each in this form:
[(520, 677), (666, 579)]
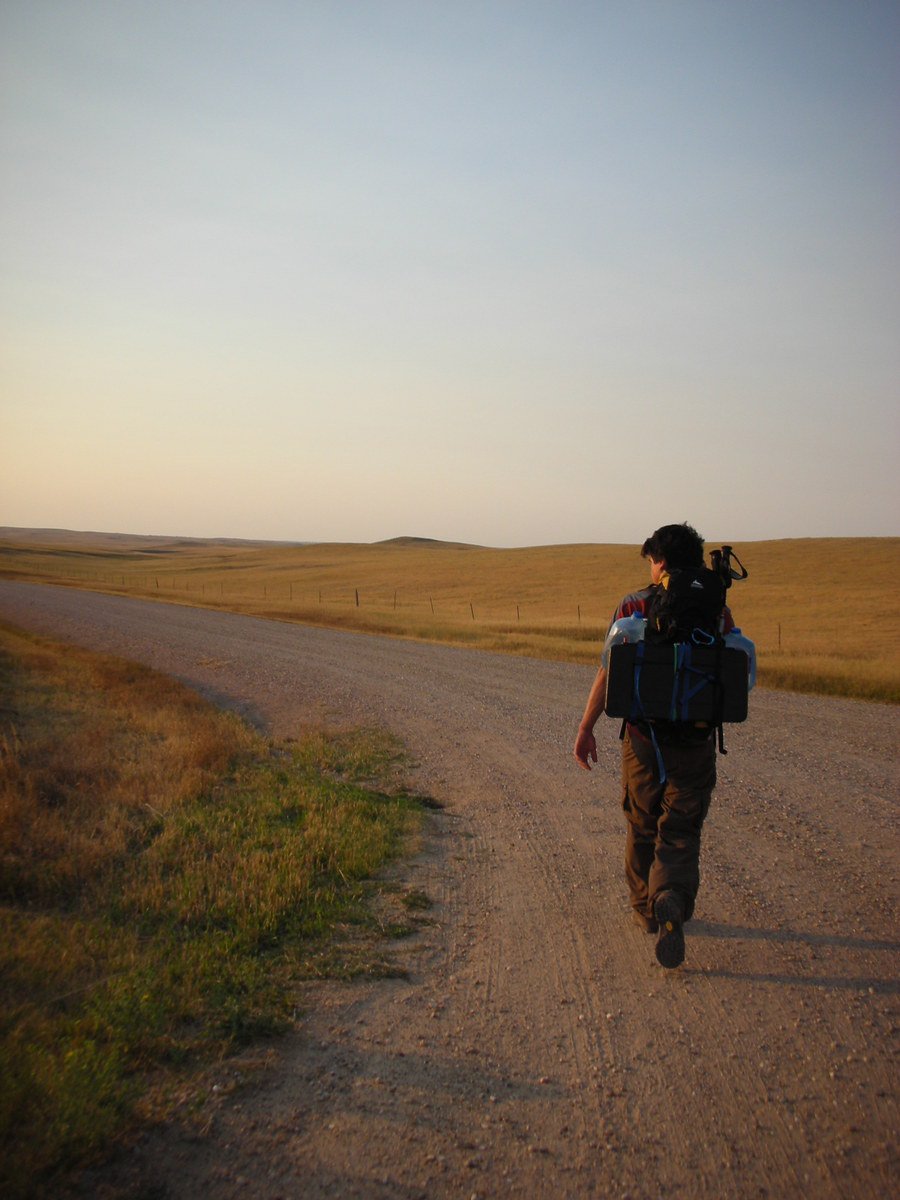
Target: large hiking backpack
[(689, 609), (681, 676)]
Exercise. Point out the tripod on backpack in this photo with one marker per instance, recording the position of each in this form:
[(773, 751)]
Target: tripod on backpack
[(721, 565)]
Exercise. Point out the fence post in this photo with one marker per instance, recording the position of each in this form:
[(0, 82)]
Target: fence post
[(579, 614), (357, 597), (472, 610), (431, 602)]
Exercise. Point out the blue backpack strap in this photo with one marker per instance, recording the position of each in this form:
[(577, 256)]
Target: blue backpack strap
[(678, 650), (637, 710), (637, 706), (703, 679), (659, 758), (689, 689)]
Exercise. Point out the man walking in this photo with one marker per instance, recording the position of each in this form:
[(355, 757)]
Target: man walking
[(668, 773)]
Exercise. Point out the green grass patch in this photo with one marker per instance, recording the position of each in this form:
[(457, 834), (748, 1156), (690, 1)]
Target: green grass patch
[(166, 876)]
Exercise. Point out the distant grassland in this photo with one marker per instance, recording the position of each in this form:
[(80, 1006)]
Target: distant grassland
[(823, 612)]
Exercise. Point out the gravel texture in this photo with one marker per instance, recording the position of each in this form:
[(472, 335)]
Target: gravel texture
[(537, 1049)]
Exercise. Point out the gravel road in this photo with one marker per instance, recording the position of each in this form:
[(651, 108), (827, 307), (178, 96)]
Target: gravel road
[(536, 1049)]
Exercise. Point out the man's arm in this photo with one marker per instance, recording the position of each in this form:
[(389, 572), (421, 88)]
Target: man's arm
[(585, 744)]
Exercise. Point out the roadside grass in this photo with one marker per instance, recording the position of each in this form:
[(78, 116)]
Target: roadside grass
[(166, 877), (824, 612)]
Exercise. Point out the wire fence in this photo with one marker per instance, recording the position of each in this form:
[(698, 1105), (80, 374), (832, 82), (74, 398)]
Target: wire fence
[(579, 619)]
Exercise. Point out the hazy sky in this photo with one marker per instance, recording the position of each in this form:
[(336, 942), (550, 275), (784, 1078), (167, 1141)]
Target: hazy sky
[(510, 273)]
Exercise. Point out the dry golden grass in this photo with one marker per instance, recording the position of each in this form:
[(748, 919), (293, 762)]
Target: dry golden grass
[(83, 726), (823, 612)]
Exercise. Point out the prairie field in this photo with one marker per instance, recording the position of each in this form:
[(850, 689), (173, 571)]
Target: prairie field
[(823, 612)]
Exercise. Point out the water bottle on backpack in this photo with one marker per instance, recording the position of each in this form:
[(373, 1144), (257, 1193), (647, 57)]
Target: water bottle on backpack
[(625, 630)]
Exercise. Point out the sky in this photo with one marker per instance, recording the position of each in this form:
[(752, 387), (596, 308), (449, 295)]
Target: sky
[(512, 273)]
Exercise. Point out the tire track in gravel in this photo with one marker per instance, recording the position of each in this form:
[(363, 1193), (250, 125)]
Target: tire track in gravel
[(536, 1049)]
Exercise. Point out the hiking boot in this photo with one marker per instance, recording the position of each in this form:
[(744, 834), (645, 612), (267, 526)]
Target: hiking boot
[(669, 911), (648, 924)]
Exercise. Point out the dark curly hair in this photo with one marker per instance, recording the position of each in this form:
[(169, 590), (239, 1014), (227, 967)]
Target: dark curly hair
[(680, 546)]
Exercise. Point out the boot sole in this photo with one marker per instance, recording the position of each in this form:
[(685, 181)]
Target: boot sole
[(670, 943)]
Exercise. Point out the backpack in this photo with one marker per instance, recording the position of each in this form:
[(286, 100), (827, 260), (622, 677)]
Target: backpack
[(688, 610), (681, 675)]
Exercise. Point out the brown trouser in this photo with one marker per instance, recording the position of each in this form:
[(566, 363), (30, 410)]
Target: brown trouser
[(662, 847)]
